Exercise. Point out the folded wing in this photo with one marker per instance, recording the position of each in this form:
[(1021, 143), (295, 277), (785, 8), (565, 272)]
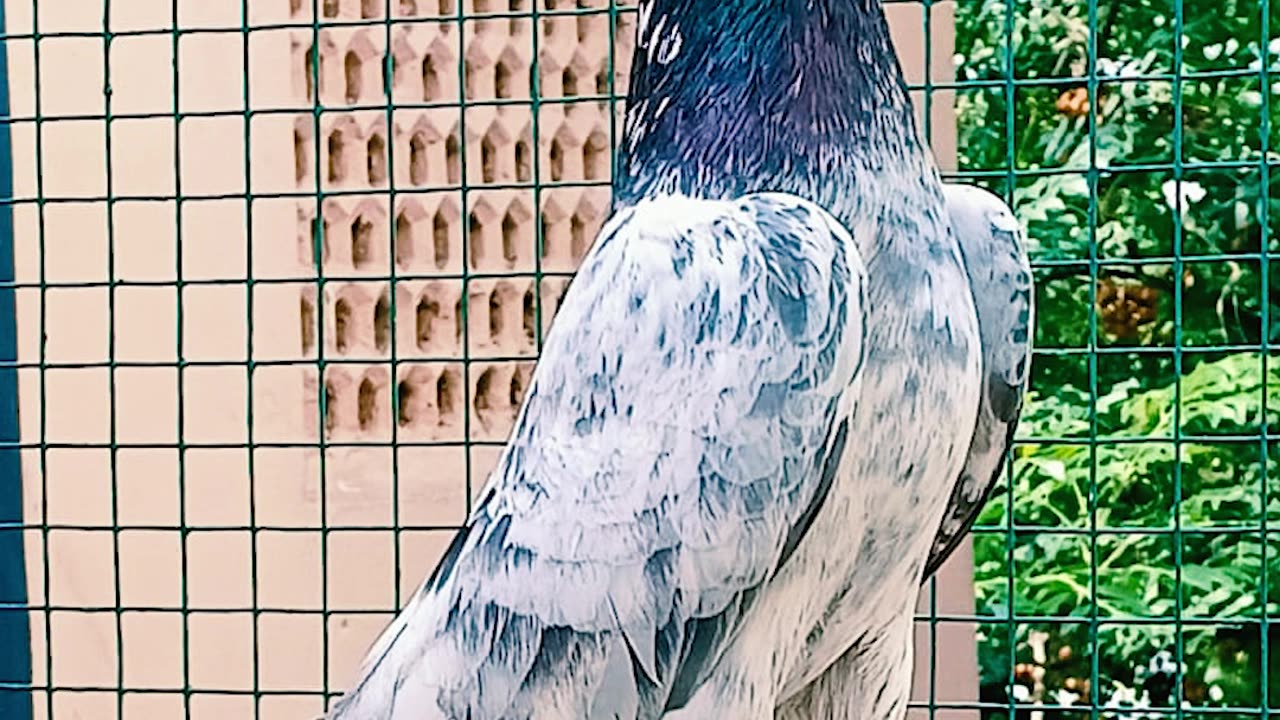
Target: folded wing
[(680, 429), (1000, 276)]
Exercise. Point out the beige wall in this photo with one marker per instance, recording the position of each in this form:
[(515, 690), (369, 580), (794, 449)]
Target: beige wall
[(205, 585)]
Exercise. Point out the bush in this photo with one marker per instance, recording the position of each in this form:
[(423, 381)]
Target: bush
[(1154, 301)]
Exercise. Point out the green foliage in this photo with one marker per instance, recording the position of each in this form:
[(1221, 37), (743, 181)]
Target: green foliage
[(1140, 491), (1148, 541)]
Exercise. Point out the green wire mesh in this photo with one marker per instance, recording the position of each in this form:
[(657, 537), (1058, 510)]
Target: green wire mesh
[(1128, 566), (1133, 539)]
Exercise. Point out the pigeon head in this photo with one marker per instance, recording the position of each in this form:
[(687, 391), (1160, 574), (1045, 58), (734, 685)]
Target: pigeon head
[(729, 97)]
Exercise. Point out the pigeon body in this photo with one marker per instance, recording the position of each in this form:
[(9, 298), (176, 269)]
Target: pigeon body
[(749, 419)]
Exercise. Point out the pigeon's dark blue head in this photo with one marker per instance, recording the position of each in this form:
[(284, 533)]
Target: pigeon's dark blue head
[(735, 96)]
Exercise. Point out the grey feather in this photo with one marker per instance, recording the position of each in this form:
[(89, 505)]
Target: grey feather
[(995, 258), (723, 388), (672, 439), (870, 678)]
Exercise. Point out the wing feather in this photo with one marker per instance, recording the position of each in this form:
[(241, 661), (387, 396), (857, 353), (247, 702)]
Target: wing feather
[(671, 444), (1000, 277)]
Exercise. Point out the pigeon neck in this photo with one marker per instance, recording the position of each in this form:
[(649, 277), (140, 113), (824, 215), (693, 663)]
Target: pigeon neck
[(728, 98)]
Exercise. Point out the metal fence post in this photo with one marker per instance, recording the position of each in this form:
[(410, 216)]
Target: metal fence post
[(15, 644)]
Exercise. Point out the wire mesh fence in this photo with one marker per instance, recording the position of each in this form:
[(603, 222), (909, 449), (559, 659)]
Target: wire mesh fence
[(1135, 544), (281, 269)]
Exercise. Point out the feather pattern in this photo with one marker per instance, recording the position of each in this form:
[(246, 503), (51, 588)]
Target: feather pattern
[(870, 679), (738, 449), (674, 436), (999, 273)]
